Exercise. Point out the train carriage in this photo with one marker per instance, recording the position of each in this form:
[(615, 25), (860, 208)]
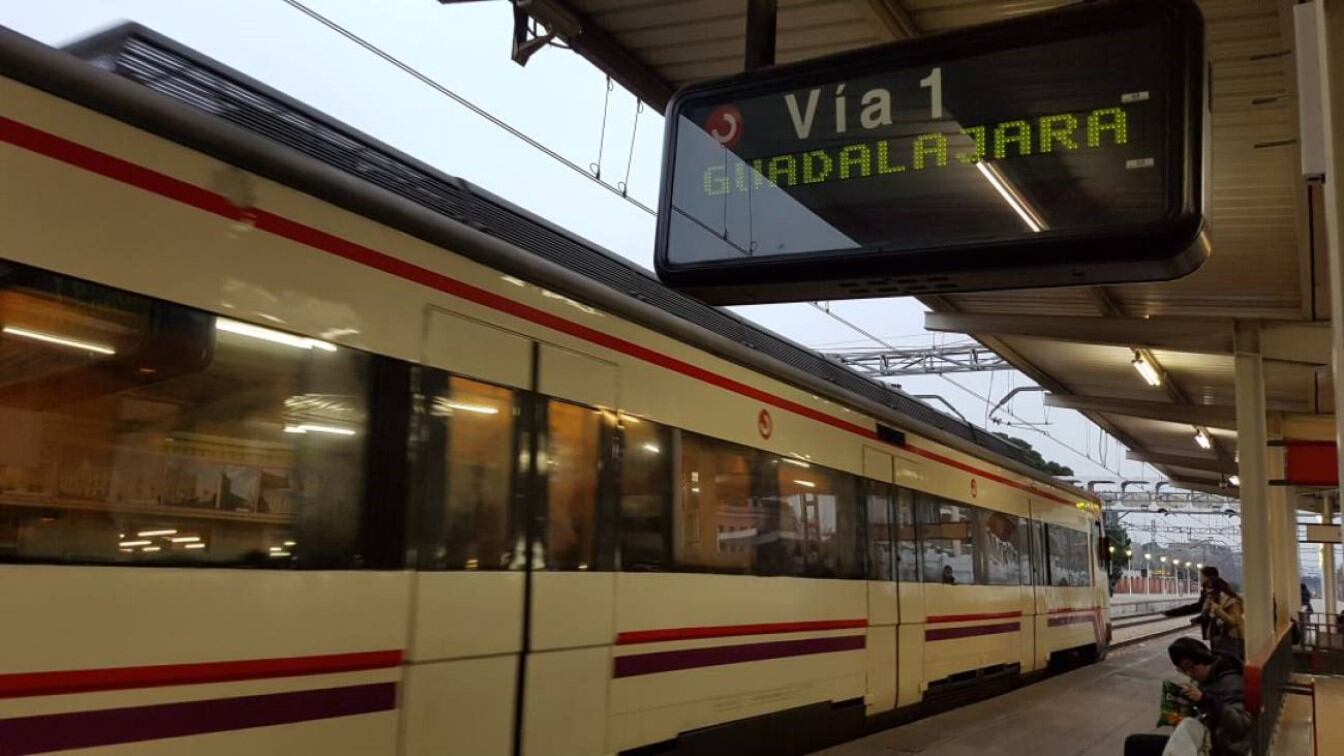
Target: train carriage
[(307, 447)]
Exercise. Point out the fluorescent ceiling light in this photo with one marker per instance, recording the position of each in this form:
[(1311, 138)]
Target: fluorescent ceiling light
[(1202, 438), (1146, 369), (807, 483), (128, 544), (1235, 480), (194, 546), (279, 553), (480, 409), (185, 539), (50, 338), (1018, 205), (152, 548), (310, 428), (268, 334), (797, 462), (149, 533), (652, 448)]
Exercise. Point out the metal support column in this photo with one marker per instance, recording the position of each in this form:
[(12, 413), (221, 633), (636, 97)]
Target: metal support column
[(1257, 581), (1328, 560), (1330, 42), (760, 39)]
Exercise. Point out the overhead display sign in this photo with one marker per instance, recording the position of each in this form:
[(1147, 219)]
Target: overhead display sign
[(1054, 149)]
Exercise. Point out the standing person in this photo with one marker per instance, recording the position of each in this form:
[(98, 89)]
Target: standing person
[(1305, 604), (1217, 697), (1209, 581), (1227, 623)]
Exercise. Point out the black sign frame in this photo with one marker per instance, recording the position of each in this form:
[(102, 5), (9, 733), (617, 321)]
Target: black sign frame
[(1170, 248)]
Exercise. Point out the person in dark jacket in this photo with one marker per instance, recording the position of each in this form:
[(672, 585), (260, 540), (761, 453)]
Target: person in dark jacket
[(1211, 586), (1217, 695)]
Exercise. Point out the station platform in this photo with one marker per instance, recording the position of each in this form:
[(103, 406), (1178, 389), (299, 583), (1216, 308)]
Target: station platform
[(1086, 712)]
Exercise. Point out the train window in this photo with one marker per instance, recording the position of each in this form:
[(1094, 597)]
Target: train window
[(719, 521), (881, 551), (947, 535), (818, 509), (646, 493), (140, 432), (468, 453), (907, 541), (574, 463), (1024, 549), (1068, 562), (997, 539)]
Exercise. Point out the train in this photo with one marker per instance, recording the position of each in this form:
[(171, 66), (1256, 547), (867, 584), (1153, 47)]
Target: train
[(308, 447)]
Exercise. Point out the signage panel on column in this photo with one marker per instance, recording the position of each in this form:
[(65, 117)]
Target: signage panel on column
[(1058, 148)]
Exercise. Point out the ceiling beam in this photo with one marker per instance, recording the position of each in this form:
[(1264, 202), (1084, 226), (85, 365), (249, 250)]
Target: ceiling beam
[(1296, 342), (894, 16), (1205, 336), (1042, 378), (1232, 492), (1190, 414), (1203, 464), (1305, 343), (602, 50)]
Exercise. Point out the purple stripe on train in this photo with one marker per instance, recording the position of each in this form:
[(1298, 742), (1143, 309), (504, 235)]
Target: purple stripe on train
[(87, 729), (690, 658)]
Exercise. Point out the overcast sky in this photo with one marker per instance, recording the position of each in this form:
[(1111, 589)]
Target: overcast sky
[(557, 99)]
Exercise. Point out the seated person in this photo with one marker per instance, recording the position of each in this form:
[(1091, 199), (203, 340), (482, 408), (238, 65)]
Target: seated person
[(1217, 696)]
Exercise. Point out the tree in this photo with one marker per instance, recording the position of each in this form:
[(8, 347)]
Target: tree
[(1034, 458)]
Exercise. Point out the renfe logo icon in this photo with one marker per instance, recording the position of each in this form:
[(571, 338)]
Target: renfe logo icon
[(724, 123)]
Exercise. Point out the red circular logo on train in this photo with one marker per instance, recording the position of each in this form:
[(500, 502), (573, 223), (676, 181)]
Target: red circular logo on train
[(725, 125), (764, 424)]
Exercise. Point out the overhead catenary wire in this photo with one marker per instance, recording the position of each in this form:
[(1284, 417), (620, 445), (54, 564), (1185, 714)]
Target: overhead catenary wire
[(827, 311), (596, 168), (464, 102), (624, 186)]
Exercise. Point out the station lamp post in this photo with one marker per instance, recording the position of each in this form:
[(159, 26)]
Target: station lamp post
[(1164, 575), (1147, 572)]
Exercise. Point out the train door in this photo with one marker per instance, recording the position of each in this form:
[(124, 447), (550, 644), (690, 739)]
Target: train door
[(883, 596), (466, 629), (1041, 590), (571, 591)]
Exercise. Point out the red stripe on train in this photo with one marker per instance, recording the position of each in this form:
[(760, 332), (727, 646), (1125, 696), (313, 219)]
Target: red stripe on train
[(728, 631), (80, 156), (26, 684)]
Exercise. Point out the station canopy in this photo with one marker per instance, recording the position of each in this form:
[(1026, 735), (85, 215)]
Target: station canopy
[(1082, 343)]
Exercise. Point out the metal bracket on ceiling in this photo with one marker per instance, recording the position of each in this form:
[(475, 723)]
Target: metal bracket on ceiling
[(526, 41)]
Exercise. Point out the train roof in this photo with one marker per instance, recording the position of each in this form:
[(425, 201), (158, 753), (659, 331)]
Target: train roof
[(162, 65)]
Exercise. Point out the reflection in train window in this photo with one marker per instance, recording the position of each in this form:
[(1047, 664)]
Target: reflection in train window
[(997, 539), (573, 468), (907, 541), (881, 551), (946, 534), (646, 498), (1069, 564), (718, 521), (140, 432), (821, 506), (468, 473), (1024, 549)]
